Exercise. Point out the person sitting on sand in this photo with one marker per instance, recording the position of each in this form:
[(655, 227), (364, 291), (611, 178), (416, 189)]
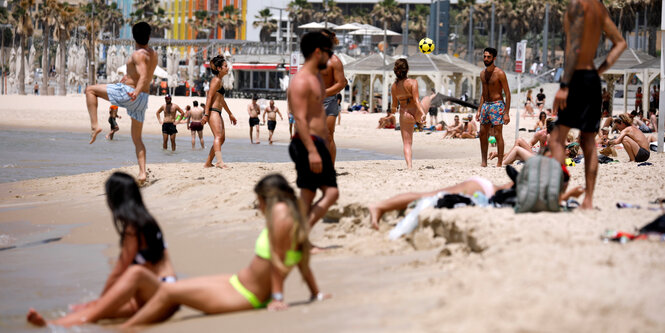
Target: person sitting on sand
[(602, 139), (467, 187), (143, 264), (528, 105), (454, 129), (388, 121), (282, 245), (470, 130), (540, 124), (113, 114), (634, 141)]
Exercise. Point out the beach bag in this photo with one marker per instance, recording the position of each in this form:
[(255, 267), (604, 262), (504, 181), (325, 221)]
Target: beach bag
[(539, 185)]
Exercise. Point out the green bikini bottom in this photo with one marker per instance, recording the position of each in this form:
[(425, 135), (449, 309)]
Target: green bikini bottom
[(256, 303)]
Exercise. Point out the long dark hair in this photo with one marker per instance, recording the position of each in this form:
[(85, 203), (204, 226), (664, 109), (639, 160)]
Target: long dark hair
[(124, 200), (401, 69), (272, 189)]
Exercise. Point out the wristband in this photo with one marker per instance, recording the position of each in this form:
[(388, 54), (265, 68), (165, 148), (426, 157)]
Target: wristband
[(206, 115), (563, 85), (278, 297)]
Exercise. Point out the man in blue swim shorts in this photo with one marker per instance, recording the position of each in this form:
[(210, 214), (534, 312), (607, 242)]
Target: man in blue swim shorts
[(493, 111), (131, 93)]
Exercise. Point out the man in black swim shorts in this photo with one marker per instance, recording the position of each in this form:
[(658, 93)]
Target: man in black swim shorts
[(113, 114), (579, 99), (254, 110), (168, 127), (634, 142)]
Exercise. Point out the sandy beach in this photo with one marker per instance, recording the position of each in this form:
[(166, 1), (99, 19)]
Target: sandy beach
[(463, 270)]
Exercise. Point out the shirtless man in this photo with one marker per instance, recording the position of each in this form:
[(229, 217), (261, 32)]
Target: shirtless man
[(194, 124), (254, 110), (309, 149), (493, 111), (433, 109), (469, 130), (168, 127), (634, 141), (579, 98), (131, 93), (334, 81), (113, 113), (272, 111), (455, 129)]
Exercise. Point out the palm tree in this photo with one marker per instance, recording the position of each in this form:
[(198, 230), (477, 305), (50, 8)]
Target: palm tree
[(418, 22), (149, 11), (330, 13), (47, 14), (200, 23), (230, 21), (24, 29), (65, 22), (112, 18), (301, 12), (387, 12), (5, 19), (91, 18), (359, 15), (266, 22)]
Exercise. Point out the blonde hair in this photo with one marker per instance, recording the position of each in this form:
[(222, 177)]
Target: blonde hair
[(274, 189), (625, 118)]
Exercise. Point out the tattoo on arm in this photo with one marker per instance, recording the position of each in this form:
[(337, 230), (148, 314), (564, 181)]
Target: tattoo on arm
[(575, 25)]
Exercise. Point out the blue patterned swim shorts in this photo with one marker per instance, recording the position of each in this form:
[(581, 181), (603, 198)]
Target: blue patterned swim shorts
[(118, 96), (492, 113)]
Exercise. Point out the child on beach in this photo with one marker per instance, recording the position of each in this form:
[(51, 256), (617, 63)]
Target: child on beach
[(113, 113), (281, 246), (142, 266)]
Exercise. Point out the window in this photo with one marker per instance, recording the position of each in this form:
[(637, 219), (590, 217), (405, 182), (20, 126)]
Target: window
[(245, 79), (273, 82), (259, 80)]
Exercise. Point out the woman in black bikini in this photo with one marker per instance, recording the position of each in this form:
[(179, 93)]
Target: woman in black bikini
[(405, 96), (142, 266), (213, 111)]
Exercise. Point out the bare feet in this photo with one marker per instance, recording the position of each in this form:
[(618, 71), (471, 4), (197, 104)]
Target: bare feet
[(142, 178), (587, 203), (493, 155), (221, 166), (207, 165), (35, 318), (93, 134), (483, 164), (374, 216)]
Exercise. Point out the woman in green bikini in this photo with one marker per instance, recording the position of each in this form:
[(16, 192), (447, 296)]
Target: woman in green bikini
[(282, 245)]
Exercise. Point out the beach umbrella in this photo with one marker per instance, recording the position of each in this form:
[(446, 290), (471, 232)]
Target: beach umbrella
[(190, 66), (81, 66), (317, 25), (228, 79), (284, 82), (58, 62), (348, 26), (172, 62), (111, 55), (373, 32), (11, 80), (72, 54)]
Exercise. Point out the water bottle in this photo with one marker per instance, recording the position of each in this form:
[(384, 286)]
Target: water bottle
[(410, 221), (626, 205), (480, 199)]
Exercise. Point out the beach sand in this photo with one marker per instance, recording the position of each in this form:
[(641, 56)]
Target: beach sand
[(463, 270)]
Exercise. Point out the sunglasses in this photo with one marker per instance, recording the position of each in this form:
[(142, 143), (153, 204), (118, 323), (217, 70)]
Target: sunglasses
[(329, 51)]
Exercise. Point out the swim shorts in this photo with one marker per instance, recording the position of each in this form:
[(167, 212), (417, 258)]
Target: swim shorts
[(169, 128), (492, 113), (291, 119), (583, 106), (432, 111), (118, 95), (306, 178), (113, 123), (330, 104), (271, 125), (642, 155), (254, 121), (196, 126)]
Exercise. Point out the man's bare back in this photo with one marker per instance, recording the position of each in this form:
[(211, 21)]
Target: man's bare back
[(328, 76), (196, 114), (140, 68)]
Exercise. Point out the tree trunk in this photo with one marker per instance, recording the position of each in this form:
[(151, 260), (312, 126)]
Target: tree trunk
[(62, 88), (45, 61), (21, 72), (652, 41)]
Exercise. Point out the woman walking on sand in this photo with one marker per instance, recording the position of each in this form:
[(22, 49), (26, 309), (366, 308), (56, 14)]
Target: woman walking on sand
[(282, 245), (142, 266), (405, 96), (213, 110)]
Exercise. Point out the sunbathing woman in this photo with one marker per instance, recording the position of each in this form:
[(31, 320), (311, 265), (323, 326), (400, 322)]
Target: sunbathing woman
[(468, 187), (212, 113), (411, 111), (541, 123), (282, 245), (142, 266), (528, 105)]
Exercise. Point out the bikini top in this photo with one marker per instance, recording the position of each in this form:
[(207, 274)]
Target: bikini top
[(149, 254), (408, 99), (221, 90), (262, 249)]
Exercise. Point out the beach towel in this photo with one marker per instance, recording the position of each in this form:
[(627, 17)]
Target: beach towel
[(539, 185)]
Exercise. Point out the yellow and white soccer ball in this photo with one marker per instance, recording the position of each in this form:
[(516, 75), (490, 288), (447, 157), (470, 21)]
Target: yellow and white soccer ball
[(426, 46)]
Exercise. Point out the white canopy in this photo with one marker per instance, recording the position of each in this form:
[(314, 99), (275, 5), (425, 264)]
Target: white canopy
[(317, 25), (373, 32), (349, 26), (159, 72)]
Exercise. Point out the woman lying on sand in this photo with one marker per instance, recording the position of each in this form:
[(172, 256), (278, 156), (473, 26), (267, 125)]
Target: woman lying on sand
[(282, 245), (143, 264), (467, 187)]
